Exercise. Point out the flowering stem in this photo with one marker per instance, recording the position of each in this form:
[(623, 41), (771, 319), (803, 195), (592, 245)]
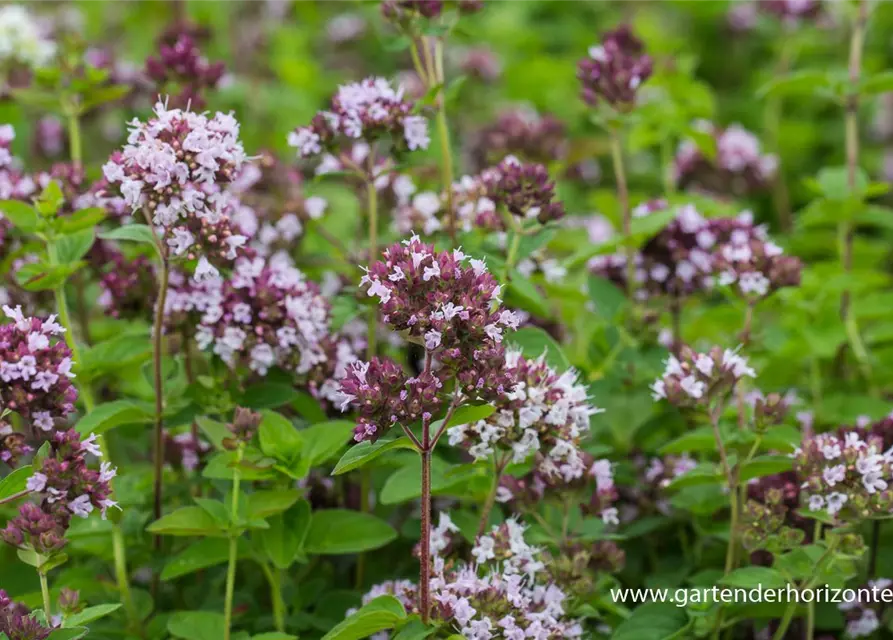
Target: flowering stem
[(623, 197), (446, 153), (233, 549), (45, 592), (274, 579), (851, 125), (158, 354), (372, 212)]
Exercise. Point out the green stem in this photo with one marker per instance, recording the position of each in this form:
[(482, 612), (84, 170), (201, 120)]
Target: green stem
[(626, 219), (274, 579), (233, 549), (74, 137), (446, 152), (372, 213), (45, 592), (157, 357), (773, 119), (122, 577), (498, 467)]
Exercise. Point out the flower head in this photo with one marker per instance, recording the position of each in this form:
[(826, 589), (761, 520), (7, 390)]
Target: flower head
[(693, 378), (176, 167), (22, 40), (35, 369), (614, 71)]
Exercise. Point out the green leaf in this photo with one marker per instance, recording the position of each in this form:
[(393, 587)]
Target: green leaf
[(21, 215), (285, 537), (652, 621), (15, 482), (80, 220), (643, 228), (215, 431), (112, 414), (274, 635), (765, 466), (323, 441), (414, 630), (607, 297), (51, 198), (364, 452), (379, 615), (799, 83), (268, 395), (339, 531), (265, 503), (279, 438), (186, 521), (222, 465), (196, 625), (199, 555), (701, 439), (116, 353), (881, 82), (139, 233), (103, 95), (90, 614), (750, 577), (39, 276), (534, 342), (216, 509), (522, 293), (466, 414), (72, 633), (704, 473), (74, 246)]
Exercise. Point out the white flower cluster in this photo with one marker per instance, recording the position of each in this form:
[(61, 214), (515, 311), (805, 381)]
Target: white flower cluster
[(692, 377), (543, 412), (22, 40)]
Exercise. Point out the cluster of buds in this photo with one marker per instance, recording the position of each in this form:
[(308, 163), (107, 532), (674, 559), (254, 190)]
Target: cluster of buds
[(473, 207), (175, 168), (882, 429), (266, 314), (521, 133), (449, 303), (404, 12), (127, 287), (523, 190), (769, 409), (480, 63), (739, 168), (66, 487), (384, 396), (540, 412), (615, 70), (180, 64), (694, 379), (846, 475), (35, 370), (16, 620), (369, 110), (13, 445), (863, 614), (243, 428), (769, 520)]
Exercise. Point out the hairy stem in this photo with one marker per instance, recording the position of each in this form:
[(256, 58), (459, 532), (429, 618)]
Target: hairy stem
[(45, 592), (233, 549), (626, 219)]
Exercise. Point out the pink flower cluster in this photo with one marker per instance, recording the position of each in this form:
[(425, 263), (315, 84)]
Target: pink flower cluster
[(615, 70), (693, 253), (540, 412), (596, 486), (266, 314), (846, 475), (505, 593), (127, 287), (694, 379), (368, 110), (176, 167), (67, 487), (35, 370), (739, 168)]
